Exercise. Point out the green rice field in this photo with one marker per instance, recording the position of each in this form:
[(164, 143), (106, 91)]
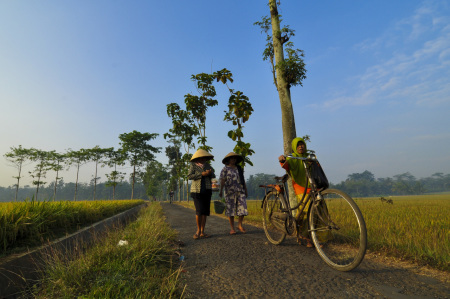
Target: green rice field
[(32, 223)]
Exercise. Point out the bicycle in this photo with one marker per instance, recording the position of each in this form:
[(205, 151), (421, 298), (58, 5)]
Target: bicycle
[(335, 223)]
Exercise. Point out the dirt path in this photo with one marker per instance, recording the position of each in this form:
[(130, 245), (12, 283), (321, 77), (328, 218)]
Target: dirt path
[(247, 266)]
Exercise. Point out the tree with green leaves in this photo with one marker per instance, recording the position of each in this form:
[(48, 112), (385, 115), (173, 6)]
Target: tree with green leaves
[(183, 126), (137, 151), (56, 163), (77, 158), (184, 130), (98, 156), (364, 176), (239, 111), (17, 157), (41, 158), (287, 70), (155, 179), (114, 159), (404, 183), (197, 106), (175, 163)]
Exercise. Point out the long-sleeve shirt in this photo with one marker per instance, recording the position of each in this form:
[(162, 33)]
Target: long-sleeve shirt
[(195, 174)]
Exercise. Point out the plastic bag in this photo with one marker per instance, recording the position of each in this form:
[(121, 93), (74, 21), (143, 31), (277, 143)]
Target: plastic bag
[(319, 176)]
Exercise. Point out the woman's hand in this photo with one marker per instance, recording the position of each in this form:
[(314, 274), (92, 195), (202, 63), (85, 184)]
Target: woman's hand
[(282, 159), (207, 172)]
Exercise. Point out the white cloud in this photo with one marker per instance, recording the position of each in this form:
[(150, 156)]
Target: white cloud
[(416, 69)]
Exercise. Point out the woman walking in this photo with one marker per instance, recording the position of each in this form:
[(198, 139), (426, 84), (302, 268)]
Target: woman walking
[(232, 178), (201, 173)]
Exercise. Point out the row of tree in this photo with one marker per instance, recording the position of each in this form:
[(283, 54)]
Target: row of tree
[(155, 182), (65, 191), (364, 184), (134, 149)]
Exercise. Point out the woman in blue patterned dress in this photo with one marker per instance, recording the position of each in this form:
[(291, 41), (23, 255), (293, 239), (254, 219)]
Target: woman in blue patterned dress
[(232, 178)]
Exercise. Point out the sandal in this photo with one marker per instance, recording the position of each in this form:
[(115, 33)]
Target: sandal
[(233, 232), (205, 236), (242, 230), (196, 237), (310, 244)]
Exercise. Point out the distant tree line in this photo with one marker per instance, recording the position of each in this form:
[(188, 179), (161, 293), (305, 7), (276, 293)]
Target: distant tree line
[(155, 185), (366, 185)]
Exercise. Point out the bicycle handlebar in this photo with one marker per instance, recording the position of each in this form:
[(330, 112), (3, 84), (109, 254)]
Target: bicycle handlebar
[(310, 157)]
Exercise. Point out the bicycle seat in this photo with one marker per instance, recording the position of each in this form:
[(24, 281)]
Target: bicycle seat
[(282, 179), (272, 186)]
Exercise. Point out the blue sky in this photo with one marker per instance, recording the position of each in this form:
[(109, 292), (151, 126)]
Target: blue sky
[(76, 74)]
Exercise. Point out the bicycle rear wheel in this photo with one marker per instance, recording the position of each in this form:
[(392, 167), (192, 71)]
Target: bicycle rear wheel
[(273, 217), (338, 230)]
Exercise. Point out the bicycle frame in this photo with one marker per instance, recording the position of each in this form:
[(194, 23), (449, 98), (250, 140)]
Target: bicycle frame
[(340, 242), (314, 195)]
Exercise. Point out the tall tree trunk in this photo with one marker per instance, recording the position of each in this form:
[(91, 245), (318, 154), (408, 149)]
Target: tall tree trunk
[(187, 190), (38, 183), (132, 183), (180, 193), (95, 179), (76, 182), (287, 112), (18, 179), (56, 184), (114, 182)]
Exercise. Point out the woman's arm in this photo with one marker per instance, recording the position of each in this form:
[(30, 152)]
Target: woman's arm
[(222, 185), (222, 179), (283, 164), (210, 171)]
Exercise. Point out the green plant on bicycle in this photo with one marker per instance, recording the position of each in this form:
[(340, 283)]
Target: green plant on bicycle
[(334, 222)]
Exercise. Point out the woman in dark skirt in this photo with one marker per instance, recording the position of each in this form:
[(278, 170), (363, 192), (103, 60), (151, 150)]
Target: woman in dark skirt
[(201, 173)]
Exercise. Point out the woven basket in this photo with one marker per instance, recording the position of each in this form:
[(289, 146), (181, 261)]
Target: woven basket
[(219, 206)]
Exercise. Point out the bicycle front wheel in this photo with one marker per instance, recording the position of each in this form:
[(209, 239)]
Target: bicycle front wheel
[(338, 230), (273, 217)]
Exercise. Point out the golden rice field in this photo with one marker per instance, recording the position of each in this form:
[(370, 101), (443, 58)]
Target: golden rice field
[(31, 223), (416, 228)]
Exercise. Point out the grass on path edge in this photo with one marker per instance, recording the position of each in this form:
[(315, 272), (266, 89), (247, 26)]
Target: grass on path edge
[(146, 267)]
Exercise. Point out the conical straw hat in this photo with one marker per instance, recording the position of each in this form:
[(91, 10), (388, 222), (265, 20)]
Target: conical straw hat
[(201, 154), (238, 157)]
